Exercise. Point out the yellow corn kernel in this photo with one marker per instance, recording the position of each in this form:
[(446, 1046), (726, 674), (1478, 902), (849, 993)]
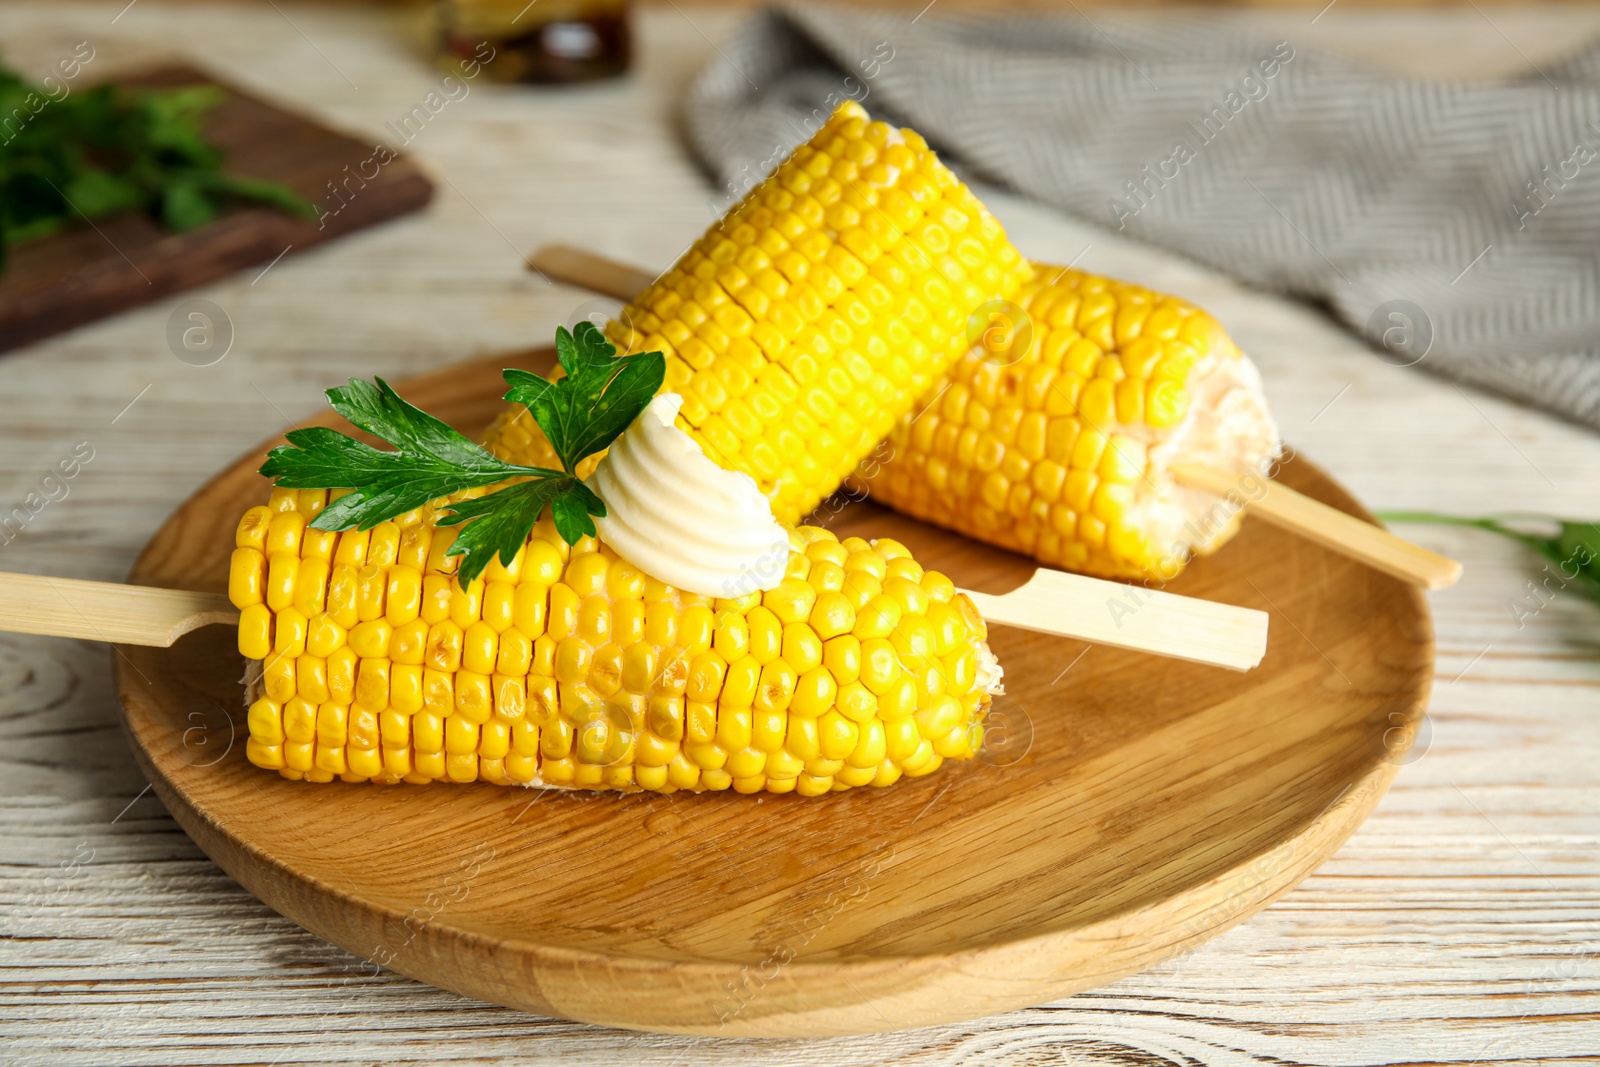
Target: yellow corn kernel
[(638, 667), (480, 647), (437, 592), (842, 657), (516, 654), (695, 628), (427, 731), (499, 606), (563, 607), (372, 639), (384, 545), (403, 595), (311, 586), (409, 643), (252, 529), (332, 725), (342, 665), (815, 692), (466, 604), (529, 602), (370, 586), (791, 601), (766, 634), (282, 570), (372, 684), (837, 735), (255, 631), (878, 619), (352, 548), (267, 757), (364, 762), (265, 721), (802, 648), (278, 677), (341, 599), (289, 633), (776, 686), (474, 696), (443, 649), (311, 678), (405, 688), (284, 532), (247, 576)]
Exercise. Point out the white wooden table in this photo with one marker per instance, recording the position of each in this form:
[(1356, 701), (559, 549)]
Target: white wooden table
[(1461, 924)]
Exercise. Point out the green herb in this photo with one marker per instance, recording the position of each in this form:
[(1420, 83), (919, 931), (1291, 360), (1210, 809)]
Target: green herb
[(67, 159), (581, 414), (1574, 547)]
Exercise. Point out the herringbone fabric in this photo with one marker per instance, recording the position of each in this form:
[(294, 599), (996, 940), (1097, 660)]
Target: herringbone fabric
[(1455, 221)]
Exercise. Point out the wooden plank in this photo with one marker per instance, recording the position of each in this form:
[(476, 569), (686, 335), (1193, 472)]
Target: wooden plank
[(120, 262)]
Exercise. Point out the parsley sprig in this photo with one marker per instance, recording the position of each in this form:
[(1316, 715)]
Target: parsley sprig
[(581, 413), (82, 154), (1573, 547)]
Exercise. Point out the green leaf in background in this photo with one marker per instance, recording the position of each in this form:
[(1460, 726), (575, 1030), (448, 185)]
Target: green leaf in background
[(1573, 551), (97, 151), (185, 206), (96, 192)]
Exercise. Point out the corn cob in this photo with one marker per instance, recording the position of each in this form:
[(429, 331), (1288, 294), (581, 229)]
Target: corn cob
[(571, 668), (802, 325), (1052, 437)]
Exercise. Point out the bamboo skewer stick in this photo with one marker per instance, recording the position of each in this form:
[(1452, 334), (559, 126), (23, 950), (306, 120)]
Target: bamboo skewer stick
[(1330, 528), (1066, 605), (564, 263), (1279, 505), (106, 611), (1123, 616)]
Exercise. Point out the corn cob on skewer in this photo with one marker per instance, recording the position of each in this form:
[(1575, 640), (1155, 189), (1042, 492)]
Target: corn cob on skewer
[(1245, 484), (571, 668), (1053, 436), (801, 326)]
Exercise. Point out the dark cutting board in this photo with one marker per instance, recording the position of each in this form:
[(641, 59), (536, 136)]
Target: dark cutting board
[(89, 272)]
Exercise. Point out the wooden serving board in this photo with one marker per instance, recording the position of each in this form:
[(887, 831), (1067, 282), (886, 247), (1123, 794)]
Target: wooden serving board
[(88, 272), (1131, 809)]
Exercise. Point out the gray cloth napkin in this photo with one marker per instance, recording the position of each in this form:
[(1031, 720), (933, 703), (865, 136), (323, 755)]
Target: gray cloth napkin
[(1455, 225)]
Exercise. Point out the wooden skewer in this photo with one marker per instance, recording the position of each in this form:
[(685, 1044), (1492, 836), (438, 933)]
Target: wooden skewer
[(1066, 605), (1279, 505), (1328, 527), (564, 263), (106, 611), (1126, 616)]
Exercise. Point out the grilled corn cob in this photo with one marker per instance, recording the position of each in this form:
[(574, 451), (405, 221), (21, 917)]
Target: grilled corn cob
[(570, 667), (801, 326), (1053, 435)]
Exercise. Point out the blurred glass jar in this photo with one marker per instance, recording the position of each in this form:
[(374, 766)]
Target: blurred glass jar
[(536, 41)]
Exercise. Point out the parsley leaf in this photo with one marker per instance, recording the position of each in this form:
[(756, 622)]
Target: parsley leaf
[(600, 395), (70, 155), (433, 460), (498, 523), (581, 413)]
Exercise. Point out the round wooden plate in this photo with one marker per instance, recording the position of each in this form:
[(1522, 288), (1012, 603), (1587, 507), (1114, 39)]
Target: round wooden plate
[(1129, 808)]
